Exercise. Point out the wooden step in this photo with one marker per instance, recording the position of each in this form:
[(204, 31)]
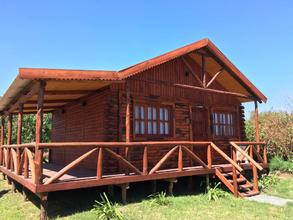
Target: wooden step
[(240, 180), (245, 187), (249, 193), (230, 175)]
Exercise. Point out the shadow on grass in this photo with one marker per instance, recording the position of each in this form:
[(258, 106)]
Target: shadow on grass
[(3, 192), (69, 202)]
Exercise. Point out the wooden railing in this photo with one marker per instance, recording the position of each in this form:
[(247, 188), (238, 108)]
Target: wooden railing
[(254, 152), (25, 163)]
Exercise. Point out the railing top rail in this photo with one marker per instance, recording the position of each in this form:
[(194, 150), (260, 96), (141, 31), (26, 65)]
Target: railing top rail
[(107, 144), (249, 142)]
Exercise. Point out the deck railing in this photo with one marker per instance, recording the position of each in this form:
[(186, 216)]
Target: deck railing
[(21, 160)]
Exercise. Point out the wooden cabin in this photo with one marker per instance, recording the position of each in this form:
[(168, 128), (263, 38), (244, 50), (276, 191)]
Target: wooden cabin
[(176, 115)]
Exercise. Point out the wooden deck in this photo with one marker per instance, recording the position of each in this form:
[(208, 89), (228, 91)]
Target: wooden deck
[(55, 177)]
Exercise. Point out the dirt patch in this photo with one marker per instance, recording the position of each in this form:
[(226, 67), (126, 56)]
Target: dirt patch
[(285, 175)]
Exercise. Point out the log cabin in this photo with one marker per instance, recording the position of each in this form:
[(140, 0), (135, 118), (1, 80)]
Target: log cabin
[(176, 115)]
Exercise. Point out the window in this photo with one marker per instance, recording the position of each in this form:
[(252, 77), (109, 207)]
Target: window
[(151, 120), (224, 124)]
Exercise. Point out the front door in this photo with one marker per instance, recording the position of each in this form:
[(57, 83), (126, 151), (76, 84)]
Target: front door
[(200, 123)]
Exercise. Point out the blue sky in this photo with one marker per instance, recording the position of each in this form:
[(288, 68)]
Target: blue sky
[(255, 35)]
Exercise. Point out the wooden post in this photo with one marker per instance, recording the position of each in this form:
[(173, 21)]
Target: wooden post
[(145, 160), (13, 187), (2, 140), (44, 206), (234, 174), (9, 134), (256, 124), (180, 159), (154, 186), (24, 194), (254, 170), (171, 185), (207, 182), (209, 156), (111, 190), (100, 163), (124, 188), (127, 121), (19, 132), (39, 125)]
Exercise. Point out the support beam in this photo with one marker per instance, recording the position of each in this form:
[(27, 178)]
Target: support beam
[(127, 121), (44, 206), (39, 125), (171, 185), (192, 71), (214, 77), (203, 72), (24, 194), (213, 91), (124, 188)]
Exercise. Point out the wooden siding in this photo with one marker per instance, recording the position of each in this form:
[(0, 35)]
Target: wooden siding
[(102, 116)]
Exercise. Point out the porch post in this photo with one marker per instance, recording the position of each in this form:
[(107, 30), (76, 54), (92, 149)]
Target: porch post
[(19, 132), (127, 120), (256, 124), (39, 125), (9, 134), (2, 140)]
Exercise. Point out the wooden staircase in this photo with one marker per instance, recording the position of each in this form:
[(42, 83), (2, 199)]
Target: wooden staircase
[(244, 187)]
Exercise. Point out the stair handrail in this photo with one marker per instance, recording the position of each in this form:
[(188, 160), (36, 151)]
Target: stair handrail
[(250, 159), (226, 157)]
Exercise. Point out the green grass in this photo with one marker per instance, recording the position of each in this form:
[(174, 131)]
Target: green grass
[(277, 164), (284, 188), (78, 204)]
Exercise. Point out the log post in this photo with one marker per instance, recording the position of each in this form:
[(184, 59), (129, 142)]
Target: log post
[(13, 186), (180, 159), (154, 186), (100, 163), (9, 135), (254, 170), (39, 125), (24, 194), (43, 206), (19, 133), (124, 188), (2, 140), (171, 185), (209, 156), (127, 121), (234, 174), (145, 160), (207, 182), (256, 124)]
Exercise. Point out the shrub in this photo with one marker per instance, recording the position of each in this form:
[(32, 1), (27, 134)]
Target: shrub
[(276, 129), (215, 193), (268, 180), (106, 209), (160, 199), (278, 164)]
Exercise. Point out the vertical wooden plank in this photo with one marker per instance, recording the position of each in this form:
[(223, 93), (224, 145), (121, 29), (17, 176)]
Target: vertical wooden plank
[(100, 163), (256, 124), (19, 132), (180, 159), (39, 125), (9, 133), (145, 160)]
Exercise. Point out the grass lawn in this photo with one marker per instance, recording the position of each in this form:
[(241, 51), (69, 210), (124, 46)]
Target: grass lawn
[(78, 204), (284, 188)]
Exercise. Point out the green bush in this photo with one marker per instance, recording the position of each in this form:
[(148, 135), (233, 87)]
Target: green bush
[(160, 199), (278, 164), (276, 129), (267, 180), (107, 210), (215, 193)]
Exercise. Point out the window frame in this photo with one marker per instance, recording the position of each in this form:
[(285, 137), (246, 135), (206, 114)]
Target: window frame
[(157, 106), (225, 130)]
